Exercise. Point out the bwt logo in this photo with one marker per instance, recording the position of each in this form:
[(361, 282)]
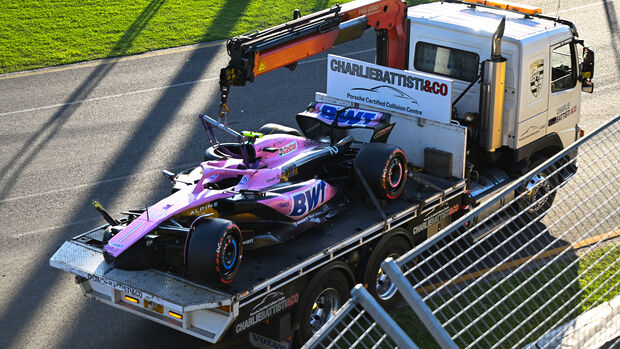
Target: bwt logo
[(351, 117), (307, 201)]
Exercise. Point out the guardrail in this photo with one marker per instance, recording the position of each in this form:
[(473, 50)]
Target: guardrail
[(542, 270)]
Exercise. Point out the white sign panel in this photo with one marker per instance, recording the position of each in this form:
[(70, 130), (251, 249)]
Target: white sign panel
[(403, 91)]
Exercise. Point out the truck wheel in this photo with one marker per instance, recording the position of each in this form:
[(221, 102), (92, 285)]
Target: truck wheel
[(539, 186), (379, 284), (214, 251), (384, 167), (268, 129), (320, 301)]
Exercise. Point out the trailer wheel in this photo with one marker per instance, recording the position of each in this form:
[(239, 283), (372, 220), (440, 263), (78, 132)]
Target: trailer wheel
[(535, 190), (268, 129), (320, 301), (384, 167), (214, 251), (379, 284)]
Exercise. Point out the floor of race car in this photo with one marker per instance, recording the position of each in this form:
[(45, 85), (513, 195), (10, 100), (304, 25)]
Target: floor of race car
[(262, 264)]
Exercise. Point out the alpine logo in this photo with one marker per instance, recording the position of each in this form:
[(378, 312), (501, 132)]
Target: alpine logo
[(308, 200)]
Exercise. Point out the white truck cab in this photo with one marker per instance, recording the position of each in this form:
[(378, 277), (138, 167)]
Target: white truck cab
[(542, 84)]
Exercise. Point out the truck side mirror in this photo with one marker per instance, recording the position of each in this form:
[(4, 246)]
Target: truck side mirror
[(587, 70)]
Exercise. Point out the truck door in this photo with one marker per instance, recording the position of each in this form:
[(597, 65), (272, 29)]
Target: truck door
[(564, 94)]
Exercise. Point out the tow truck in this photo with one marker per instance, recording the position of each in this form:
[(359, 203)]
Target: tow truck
[(478, 92)]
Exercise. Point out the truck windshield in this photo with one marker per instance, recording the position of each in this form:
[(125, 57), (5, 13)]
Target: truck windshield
[(446, 61)]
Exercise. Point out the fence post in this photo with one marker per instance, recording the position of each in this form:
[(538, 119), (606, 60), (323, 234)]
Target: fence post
[(382, 318), (417, 304)]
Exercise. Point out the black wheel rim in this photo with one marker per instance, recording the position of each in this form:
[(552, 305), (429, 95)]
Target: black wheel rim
[(229, 255)]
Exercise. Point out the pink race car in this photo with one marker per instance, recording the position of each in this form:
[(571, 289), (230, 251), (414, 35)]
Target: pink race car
[(264, 189)]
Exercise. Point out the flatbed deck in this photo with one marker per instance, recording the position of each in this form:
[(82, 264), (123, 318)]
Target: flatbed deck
[(262, 270)]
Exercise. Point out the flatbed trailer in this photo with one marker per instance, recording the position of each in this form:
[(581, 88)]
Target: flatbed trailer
[(272, 279), (441, 72)]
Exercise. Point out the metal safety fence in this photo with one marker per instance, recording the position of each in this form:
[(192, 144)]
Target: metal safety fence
[(362, 323), (536, 266)]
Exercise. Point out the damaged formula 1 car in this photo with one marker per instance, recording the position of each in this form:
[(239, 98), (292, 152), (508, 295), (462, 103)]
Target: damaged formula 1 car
[(264, 189)]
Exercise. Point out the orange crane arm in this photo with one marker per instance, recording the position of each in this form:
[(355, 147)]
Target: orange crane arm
[(284, 45)]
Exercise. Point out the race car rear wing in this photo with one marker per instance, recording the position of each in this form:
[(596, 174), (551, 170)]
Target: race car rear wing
[(320, 119), (414, 135)]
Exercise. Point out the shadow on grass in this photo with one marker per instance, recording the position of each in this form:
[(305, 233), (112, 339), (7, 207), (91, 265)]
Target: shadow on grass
[(510, 308), (35, 291), (24, 157), (126, 41), (519, 303), (318, 5)]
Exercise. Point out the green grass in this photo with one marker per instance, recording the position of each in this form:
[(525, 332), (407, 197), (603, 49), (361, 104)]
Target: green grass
[(51, 32), (594, 287), (600, 277), (45, 33)]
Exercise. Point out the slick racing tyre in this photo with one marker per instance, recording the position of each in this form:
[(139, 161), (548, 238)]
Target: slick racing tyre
[(214, 251), (384, 167), (268, 129)]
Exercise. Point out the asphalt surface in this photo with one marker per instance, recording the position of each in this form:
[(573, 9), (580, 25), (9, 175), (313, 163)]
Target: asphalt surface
[(104, 130)]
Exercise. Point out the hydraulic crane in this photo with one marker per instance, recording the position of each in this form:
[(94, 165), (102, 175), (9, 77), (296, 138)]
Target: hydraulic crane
[(284, 45)]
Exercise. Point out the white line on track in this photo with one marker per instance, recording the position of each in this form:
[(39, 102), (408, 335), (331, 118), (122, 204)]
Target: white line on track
[(110, 180), (149, 89), (107, 97), (103, 61), (166, 51), (215, 78), (79, 186), (58, 227), (86, 185)]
